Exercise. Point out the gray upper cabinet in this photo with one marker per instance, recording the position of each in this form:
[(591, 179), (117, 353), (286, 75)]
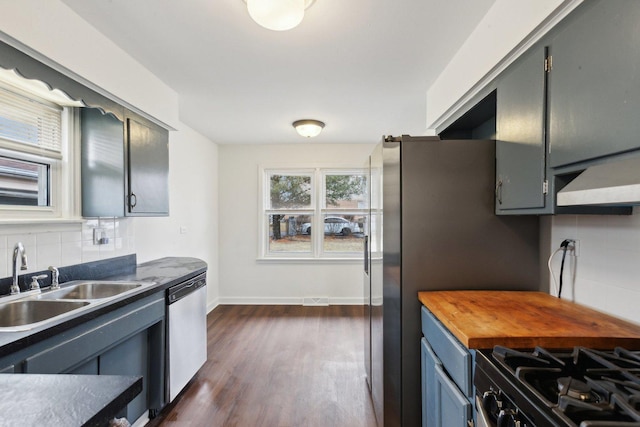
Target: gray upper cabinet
[(148, 168), (125, 171), (520, 144), (594, 95), (102, 164)]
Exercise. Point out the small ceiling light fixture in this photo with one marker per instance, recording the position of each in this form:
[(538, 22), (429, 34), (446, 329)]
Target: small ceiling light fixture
[(278, 15), (308, 128)]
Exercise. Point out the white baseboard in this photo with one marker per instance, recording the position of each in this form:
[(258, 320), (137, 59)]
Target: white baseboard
[(213, 304)]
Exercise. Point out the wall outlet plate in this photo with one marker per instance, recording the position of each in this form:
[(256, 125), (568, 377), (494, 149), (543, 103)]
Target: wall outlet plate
[(100, 236), (576, 247)]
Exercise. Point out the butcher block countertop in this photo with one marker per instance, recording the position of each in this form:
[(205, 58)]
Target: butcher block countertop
[(516, 319)]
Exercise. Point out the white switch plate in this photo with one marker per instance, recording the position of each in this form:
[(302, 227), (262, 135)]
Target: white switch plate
[(183, 229)]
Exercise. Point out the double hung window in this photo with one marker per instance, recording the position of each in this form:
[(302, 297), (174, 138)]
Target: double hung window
[(313, 213), (31, 154)]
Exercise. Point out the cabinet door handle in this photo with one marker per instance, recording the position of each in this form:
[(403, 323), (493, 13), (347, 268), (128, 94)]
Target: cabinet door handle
[(133, 200), (499, 191)]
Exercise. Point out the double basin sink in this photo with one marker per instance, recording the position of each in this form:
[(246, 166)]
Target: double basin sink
[(36, 308)]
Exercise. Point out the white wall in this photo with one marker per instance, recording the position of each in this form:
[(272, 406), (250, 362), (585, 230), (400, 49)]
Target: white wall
[(191, 230), (244, 279), (605, 274), (53, 33)]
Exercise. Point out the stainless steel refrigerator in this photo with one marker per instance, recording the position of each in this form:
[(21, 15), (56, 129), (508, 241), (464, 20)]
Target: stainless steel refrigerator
[(431, 226)]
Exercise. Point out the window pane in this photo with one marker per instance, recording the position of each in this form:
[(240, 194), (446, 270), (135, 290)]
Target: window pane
[(345, 191), (23, 183), (26, 120), (290, 191), (343, 233), (286, 233)]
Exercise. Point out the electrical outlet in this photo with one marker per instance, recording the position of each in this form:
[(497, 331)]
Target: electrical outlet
[(100, 236), (573, 247), (97, 235)]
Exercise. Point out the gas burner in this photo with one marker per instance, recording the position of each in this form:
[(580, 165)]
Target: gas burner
[(574, 388)]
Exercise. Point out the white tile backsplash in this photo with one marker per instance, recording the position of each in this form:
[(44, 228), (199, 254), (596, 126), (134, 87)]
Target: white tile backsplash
[(65, 244), (70, 237), (606, 273), (71, 253)]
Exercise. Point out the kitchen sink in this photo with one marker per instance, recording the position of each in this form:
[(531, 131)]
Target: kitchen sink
[(90, 290), (26, 312)]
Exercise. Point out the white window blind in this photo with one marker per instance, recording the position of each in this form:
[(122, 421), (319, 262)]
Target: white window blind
[(30, 125)]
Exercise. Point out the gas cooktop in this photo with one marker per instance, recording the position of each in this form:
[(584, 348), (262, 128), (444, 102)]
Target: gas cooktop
[(579, 387)]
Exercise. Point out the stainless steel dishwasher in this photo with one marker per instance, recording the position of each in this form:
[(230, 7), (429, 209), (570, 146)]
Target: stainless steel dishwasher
[(187, 332)]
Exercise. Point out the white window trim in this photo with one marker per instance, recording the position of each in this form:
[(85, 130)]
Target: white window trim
[(317, 210), (65, 179)]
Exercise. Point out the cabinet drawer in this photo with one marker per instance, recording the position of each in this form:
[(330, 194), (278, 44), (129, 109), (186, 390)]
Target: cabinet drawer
[(455, 357)]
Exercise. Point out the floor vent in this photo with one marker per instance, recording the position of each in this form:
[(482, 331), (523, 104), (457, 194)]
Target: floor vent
[(315, 301)]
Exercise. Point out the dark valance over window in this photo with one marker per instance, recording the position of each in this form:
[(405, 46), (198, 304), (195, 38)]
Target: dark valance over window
[(30, 68)]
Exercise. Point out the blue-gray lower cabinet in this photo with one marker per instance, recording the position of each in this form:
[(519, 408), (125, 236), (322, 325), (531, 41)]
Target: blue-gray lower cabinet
[(447, 380), (430, 363), (130, 358), (452, 408), (127, 341)]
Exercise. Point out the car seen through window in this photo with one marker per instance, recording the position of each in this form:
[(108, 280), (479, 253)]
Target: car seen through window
[(334, 225)]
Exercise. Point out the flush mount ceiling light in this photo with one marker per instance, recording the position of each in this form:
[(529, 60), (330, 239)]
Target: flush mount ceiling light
[(308, 128), (278, 15)]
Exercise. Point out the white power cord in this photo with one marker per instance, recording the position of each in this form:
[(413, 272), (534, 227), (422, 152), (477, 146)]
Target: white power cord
[(555, 282)]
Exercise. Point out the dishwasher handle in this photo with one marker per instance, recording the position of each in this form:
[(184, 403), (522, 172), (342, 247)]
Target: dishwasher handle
[(177, 292)]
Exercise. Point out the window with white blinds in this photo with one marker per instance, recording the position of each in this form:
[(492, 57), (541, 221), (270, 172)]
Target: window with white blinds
[(30, 125)]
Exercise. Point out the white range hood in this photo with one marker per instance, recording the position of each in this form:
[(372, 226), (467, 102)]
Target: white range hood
[(616, 183)]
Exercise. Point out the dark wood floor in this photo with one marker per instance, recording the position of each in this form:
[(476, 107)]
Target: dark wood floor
[(278, 366)]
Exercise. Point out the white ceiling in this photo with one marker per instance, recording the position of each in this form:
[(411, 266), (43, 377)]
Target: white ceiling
[(361, 66)]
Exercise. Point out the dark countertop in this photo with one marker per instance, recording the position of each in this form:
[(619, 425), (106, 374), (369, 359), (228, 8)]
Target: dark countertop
[(165, 272), (64, 400)]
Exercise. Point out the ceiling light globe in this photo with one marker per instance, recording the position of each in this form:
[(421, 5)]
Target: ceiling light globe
[(277, 15), (308, 128)]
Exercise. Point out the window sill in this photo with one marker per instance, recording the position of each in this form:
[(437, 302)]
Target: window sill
[(40, 224)]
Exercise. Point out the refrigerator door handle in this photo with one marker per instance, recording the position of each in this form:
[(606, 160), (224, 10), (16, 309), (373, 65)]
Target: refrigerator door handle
[(366, 254)]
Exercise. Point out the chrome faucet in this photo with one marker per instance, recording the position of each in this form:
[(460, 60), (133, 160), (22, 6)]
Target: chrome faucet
[(55, 276), (18, 251)]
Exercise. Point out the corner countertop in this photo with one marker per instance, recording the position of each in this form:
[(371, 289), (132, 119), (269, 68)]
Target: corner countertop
[(163, 272), (78, 400), (517, 319)]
